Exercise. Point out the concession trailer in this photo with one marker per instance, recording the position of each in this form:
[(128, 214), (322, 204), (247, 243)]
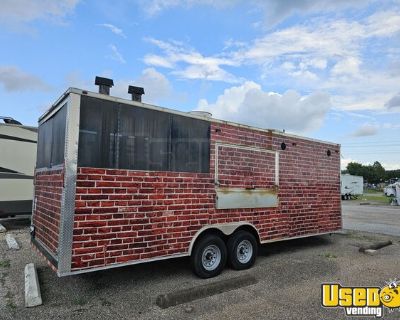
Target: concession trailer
[(120, 182)]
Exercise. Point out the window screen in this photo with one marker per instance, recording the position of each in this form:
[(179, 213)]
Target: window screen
[(190, 148), (114, 135), (144, 137), (97, 134), (51, 140)]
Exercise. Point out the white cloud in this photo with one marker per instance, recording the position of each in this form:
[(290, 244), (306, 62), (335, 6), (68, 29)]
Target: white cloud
[(275, 11), (157, 61), (278, 10), (14, 79), (154, 7), (367, 129), (249, 104), (297, 54), (113, 29), (347, 66), (156, 86), (344, 162), (391, 165), (17, 12), (116, 55), (190, 64), (388, 125), (325, 54)]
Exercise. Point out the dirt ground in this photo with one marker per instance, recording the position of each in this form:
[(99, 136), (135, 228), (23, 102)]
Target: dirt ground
[(289, 276)]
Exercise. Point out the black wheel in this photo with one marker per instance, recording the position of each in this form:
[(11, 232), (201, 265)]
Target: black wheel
[(209, 256), (242, 250)]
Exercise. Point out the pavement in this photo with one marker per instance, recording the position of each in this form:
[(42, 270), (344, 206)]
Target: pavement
[(288, 277), (384, 219)]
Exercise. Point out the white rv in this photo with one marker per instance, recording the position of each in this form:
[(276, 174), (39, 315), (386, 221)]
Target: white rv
[(351, 186), (17, 162)]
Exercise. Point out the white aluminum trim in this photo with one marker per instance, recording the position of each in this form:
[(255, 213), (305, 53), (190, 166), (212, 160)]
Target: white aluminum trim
[(277, 168), (54, 168), (123, 264), (54, 109), (244, 147), (68, 194), (299, 237)]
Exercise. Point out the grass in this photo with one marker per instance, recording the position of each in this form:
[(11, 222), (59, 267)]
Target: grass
[(9, 298), (374, 196), (328, 255), (5, 263)]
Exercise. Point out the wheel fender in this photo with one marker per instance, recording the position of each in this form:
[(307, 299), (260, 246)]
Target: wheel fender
[(226, 228)]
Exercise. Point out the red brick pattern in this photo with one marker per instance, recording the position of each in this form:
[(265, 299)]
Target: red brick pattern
[(127, 215), (238, 167), (46, 217)]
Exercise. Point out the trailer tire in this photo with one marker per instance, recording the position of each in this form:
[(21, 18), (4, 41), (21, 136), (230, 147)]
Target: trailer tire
[(209, 256), (242, 250)]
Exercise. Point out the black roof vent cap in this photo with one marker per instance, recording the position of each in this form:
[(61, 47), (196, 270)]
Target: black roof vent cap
[(136, 93), (104, 85)]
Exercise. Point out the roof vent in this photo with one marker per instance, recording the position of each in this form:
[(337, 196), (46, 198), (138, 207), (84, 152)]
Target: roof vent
[(136, 93), (104, 85)]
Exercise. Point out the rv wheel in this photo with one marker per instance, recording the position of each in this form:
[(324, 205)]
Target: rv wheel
[(209, 256), (242, 250)]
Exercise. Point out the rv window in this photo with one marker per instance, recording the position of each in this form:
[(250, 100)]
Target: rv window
[(114, 135), (51, 140)]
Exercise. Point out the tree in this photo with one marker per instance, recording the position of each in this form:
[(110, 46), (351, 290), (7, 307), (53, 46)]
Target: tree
[(356, 169), (372, 173)]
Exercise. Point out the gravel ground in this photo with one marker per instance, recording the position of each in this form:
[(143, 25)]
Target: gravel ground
[(289, 277)]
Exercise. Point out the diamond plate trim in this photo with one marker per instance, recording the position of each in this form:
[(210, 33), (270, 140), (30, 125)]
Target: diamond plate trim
[(68, 195)]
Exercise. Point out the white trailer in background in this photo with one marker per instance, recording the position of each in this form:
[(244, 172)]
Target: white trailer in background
[(351, 186), (17, 163)]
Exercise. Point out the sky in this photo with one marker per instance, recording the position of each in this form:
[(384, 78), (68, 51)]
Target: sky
[(323, 69)]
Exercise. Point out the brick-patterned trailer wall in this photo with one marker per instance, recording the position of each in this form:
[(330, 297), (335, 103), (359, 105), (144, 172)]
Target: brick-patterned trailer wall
[(46, 215), (127, 215)]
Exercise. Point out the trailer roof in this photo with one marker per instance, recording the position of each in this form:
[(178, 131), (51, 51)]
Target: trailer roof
[(182, 113)]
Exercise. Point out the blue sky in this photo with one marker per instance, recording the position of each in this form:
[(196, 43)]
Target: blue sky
[(324, 69)]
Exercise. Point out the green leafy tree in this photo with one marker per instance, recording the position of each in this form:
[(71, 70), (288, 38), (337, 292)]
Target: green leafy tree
[(372, 173)]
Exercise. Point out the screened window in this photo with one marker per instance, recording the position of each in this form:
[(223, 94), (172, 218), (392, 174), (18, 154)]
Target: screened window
[(97, 134), (190, 148), (122, 136), (51, 140)]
